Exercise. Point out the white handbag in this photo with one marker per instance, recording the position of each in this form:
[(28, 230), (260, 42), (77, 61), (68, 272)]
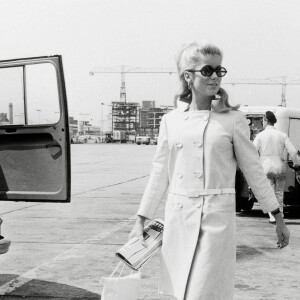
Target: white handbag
[(121, 288)]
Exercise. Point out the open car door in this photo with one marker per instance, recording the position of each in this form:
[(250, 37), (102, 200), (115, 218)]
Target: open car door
[(34, 131)]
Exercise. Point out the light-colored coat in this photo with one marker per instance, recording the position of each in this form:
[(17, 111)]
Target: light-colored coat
[(196, 159)]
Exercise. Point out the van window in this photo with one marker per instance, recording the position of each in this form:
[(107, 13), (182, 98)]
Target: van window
[(29, 95), (294, 132), (255, 123)]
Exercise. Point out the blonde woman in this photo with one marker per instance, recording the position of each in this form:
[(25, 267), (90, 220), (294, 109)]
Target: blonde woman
[(198, 151)]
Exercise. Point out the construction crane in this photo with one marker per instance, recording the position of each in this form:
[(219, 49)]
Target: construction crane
[(133, 70), (283, 81)]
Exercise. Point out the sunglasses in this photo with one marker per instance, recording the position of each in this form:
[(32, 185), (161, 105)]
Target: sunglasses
[(208, 70)]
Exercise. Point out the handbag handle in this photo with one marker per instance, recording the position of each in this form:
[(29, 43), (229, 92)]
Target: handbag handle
[(116, 268), (121, 271)]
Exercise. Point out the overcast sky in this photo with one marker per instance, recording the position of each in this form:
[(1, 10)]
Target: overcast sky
[(260, 39)]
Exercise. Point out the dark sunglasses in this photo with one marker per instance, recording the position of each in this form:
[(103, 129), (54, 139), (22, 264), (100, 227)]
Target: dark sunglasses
[(208, 70)]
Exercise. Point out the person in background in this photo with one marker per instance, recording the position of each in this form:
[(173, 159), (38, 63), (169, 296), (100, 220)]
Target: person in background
[(271, 145), (198, 150)]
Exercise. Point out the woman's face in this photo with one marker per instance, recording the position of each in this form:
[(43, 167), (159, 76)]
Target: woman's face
[(207, 86)]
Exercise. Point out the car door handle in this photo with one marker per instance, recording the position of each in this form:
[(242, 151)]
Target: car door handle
[(55, 149)]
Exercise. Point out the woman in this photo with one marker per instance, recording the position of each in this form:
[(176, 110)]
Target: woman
[(197, 154)]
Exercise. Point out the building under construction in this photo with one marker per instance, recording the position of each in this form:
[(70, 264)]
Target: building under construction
[(125, 116)]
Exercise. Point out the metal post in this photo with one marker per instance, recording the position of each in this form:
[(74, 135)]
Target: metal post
[(283, 91), (102, 131)]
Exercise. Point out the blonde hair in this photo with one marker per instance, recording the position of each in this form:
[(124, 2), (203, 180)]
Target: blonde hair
[(189, 57)]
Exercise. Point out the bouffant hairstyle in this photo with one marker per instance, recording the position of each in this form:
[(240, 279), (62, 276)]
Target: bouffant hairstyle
[(189, 57)]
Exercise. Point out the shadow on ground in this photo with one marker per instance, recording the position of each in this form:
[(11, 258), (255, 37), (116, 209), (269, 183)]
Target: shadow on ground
[(256, 213), (40, 289)]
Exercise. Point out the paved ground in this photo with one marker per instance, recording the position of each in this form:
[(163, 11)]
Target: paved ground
[(60, 251)]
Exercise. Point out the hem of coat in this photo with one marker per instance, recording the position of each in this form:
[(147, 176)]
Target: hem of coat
[(270, 208)]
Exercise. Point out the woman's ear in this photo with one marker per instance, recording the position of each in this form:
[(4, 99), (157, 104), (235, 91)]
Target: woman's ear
[(187, 76)]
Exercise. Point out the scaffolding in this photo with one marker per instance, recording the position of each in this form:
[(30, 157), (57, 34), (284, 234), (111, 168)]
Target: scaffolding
[(125, 116)]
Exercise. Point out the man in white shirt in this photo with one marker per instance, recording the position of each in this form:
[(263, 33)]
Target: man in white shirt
[(271, 144)]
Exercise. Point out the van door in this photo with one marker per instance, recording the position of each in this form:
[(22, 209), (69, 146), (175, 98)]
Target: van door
[(294, 132), (34, 131)]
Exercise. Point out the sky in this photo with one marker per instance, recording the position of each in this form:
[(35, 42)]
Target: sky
[(259, 38)]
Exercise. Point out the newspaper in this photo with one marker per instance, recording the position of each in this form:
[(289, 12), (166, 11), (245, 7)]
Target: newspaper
[(134, 254)]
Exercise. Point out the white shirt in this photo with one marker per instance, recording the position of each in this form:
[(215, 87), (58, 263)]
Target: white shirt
[(271, 144)]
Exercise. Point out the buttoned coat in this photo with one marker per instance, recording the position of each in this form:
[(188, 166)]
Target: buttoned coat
[(196, 160)]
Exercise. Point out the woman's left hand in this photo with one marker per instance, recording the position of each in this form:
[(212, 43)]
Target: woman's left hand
[(282, 231)]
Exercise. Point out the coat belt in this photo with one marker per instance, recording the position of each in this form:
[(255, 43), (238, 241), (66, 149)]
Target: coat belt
[(197, 193)]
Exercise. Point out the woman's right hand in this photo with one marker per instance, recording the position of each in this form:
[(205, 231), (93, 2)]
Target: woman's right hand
[(138, 230)]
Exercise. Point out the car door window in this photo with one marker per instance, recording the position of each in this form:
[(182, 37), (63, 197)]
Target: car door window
[(29, 95)]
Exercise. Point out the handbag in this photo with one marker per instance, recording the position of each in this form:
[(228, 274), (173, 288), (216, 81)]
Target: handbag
[(134, 254), (121, 288)]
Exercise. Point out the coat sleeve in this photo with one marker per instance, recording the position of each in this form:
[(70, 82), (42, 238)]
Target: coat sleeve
[(249, 163), (159, 180)]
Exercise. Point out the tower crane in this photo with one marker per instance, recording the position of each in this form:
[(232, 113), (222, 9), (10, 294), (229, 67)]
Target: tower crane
[(283, 81), (125, 116), (133, 70)]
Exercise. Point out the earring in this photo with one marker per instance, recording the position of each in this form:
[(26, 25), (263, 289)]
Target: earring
[(189, 85)]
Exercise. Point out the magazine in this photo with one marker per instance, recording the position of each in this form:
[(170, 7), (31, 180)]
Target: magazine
[(134, 254)]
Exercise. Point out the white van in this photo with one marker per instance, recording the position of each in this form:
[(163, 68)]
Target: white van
[(288, 121)]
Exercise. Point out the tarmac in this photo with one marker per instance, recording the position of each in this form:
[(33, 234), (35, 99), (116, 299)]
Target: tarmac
[(61, 251)]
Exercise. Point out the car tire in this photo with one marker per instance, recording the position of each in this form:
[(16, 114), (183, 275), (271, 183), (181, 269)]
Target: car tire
[(247, 204)]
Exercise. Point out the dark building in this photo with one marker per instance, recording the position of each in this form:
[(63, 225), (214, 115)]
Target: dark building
[(125, 116), (150, 118), (148, 104)]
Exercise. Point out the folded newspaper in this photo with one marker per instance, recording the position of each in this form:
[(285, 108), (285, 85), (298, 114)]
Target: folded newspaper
[(134, 254)]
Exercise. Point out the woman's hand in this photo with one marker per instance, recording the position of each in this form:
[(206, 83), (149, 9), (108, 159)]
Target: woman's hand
[(282, 231), (138, 230)]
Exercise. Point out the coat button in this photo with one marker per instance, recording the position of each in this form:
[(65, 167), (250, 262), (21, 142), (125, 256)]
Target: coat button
[(198, 205), (179, 145), (179, 174), (198, 174), (179, 205), (198, 143)]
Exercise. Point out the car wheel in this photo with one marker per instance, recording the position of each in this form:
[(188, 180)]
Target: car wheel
[(247, 204)]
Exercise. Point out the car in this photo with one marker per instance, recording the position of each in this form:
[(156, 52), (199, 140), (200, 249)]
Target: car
[(153, 141), (81, 139), (142, 140)]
